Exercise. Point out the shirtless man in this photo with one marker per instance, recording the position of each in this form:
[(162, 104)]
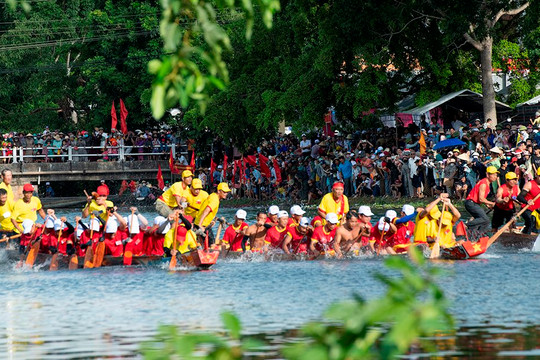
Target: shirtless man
[(347, 234), (256, 233)]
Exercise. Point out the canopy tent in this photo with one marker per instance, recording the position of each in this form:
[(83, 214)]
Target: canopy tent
[(463, 100), (527, 110)]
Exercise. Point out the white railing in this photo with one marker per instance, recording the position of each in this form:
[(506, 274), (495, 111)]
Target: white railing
[(90, 153)]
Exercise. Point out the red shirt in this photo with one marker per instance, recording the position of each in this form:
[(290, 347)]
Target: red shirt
[(366, 239), (317, 219), (323, 239), (387, 238), (299, 242), (402, 237), (233, 238), (275, 237)]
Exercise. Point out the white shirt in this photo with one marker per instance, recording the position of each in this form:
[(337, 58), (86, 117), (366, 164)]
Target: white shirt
[(305, 145)]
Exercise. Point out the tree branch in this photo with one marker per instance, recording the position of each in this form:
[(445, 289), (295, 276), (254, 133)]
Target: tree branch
[(508, 12), (477, 45)]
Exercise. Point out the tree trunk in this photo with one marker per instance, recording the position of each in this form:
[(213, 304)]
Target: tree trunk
[(488, 92)]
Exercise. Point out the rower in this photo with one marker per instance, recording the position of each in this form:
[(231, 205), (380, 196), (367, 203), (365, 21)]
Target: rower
[(6, 208), (298, 237), (7, 176), (477, 197), (383, 234), (504, 201), (48, 232), (186, 239), (317, 221), (112, 237), (448, 219), (296, 216), (97, 202), (135, 223), (30, 232), (155, 235), (347, 234), (364, 219), (234, 234), (175, 196), (272, 215), (62, 238), (26, 208), (256, 233), (334, 202), (323, 236), (530, 190), (276, 234), (195, 198), (405, 229), (427, 221), (209, 209)]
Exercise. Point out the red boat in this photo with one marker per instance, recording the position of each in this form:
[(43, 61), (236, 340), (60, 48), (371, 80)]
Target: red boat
[(466, 250)]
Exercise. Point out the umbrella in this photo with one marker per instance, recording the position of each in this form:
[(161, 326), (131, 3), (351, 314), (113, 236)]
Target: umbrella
[(448, 143)]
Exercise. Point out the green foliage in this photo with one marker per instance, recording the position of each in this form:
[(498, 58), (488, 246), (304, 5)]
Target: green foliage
[(192, 70), (413, 307)]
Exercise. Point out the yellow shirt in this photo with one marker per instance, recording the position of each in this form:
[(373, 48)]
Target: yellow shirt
[(168, 197), (23, 211), (329, 205), (190, 242), (212, 202), (421, 229), (103, 208), (9, 190), (195, 203), (446, 240), (5, 216)]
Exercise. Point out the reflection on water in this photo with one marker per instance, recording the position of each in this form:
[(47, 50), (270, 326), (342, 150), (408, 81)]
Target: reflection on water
[(107, 312)]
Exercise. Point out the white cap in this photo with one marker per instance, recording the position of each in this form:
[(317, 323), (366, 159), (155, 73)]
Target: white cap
[(304, 221), (382, 225), (79, 229), (297, 210), (365, 210), (282, 213), (112, 226), (27, 226), (133, 224), (94, 224), (273, 210), (158, 220), (408, 209), (241, 214), (391, 214), (332, 218), (49, 222), (58, 224)]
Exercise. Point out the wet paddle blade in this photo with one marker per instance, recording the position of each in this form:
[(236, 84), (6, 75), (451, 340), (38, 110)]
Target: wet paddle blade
[(54, 263), (128, 257), (100, 253), (173, 262), (74, 262), (88, 263), (436, 251), (32, 254)]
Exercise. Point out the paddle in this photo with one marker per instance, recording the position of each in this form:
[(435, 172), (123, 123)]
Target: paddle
[(34, 250), (74, 259), (88, 264), (380, 242), (100, 248), (172, 264), (505, 226), (128, 254), (5, 238), (436, 251), (54, 259)]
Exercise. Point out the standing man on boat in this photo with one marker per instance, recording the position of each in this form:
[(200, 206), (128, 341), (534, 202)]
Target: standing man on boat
[(477, 197), (209, 209), (195, 197), (504, 201), (26, 208), (347, 234), (334, 202), (175, 196), (530, 190), (98, 203), (7, 176)]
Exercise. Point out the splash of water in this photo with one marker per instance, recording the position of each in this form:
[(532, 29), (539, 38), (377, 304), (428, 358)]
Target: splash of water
[(536, 246)]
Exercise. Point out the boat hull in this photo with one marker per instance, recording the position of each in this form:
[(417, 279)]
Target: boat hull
[(516, 241)]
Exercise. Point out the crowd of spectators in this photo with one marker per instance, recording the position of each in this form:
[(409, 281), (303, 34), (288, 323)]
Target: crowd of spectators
[(97, 145), (384, 161)]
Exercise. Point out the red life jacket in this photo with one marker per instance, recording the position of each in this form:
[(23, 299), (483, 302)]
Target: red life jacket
[(535, 190)]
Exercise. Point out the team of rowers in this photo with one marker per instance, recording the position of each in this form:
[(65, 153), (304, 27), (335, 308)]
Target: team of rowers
[(335, 230)]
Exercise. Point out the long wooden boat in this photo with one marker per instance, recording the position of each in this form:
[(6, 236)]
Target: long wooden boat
[(516, 241), (465, 251)]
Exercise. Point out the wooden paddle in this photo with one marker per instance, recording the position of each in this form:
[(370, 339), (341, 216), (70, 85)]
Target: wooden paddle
[(380, 241), (436, 251), (128, 254), (54, 259), (97, 260), (495, 236), (9, 238), (74, 259), (173, 262), (34, 250), (88, 263)]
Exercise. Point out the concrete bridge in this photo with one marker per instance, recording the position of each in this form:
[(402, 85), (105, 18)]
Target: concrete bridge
[(24, 172)]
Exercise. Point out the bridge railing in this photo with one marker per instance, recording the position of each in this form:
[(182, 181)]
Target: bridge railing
[(82, 153)]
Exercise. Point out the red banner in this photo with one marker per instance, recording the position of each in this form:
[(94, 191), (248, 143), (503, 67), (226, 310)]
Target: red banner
[(263, 163), (225, 159), (160, 181), (192, 162), (123, 117), (212, 168), (277, 170), (172, 165), (251, 160), (114, 121)]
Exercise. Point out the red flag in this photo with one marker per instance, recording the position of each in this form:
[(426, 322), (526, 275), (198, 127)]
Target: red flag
[(123, 116), (277, 170), (114, 121), (235, 167), (192, 162), (212, 168), (160, 182), (225, 159), (263, 163), (172, 165), (460, 230), (251, 160)]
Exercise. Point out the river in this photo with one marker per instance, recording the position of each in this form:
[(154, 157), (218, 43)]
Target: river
[(107, 312)]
